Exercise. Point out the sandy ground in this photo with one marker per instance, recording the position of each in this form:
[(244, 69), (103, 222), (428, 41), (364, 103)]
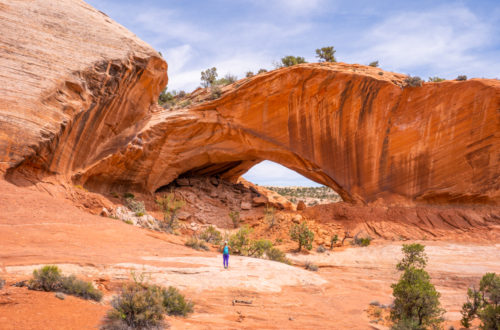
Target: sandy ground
[(36, 229)]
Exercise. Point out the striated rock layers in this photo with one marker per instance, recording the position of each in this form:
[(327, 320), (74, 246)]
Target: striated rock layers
[(79, 104)]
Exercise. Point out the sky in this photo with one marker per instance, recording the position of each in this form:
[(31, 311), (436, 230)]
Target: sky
[(422, 38)]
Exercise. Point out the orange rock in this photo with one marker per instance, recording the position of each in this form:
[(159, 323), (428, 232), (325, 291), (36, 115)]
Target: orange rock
[(301, 206)]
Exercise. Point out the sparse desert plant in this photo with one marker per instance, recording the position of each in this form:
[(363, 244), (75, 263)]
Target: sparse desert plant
[(347, 234), (239, 241), (175, 303), (326, 54), (169, 205), (377, 312), (226, 80), (416, 303), (374, 64), (196, 244), (235, 218), (270, 216), (249, 74), (413, 81), (362, 241), (333, 241), (128, 195), (276, 254), (413, 256), (302, 235), (47, 278), (259, 247), (483, 304), (139, 306), (261, 71), (136, 206), (436, 79), (291, 60), (211, 235), (461, 78), (321, 249), (76, 287), (215, 92), (309, 265), (208, 77)]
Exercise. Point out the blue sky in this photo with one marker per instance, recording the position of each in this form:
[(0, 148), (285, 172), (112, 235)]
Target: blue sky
[(424, 38)]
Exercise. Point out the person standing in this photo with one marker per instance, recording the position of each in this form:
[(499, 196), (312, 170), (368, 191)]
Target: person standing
[(225, 255)]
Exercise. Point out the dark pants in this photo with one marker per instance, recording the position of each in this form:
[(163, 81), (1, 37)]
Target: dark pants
[(225, 260)]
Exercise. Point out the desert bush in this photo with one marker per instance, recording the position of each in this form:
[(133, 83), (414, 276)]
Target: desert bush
[(326, 54), (362, 241), (249, 74), (292, 60), (211, 235), (138, 306), (333, 241), (261, 71), (413, 81), (136, 206), (235, 218), (321, 249), (311, 266), (73, 286), (373, 64), (416, 303), (175, 303), (47, 278), (169, 206), (461, 78), (276, 254), (208, 77), (226, 80), (128, 195), (215, 92), (377, 312), (196, 244), (2, 283), (413, 256), (239, 241), (483, 304), (259, 247), (436, 79), (302, 235)]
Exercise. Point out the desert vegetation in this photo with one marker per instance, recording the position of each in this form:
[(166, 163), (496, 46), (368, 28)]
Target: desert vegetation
[(311, 194), (483, 304), (169, 206), (302, 235), (326, 54), (413, 81), (49, 278)]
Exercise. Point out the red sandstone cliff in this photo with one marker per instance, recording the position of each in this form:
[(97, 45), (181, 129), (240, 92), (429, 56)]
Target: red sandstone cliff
[(79, 105)]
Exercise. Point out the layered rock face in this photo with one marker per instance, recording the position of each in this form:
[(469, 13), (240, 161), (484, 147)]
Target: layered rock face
[(345, 126), (71, 79), (80, 105)]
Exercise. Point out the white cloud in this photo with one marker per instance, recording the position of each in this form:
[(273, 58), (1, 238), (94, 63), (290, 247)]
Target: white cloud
[(268, 173)]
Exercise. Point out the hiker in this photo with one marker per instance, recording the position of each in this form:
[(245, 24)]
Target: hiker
[(225, 255)]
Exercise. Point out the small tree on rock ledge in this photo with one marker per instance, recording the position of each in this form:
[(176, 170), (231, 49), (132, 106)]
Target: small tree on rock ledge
[(302, 235)]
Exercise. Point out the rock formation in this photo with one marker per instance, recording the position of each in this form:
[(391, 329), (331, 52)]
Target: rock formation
[(80, 106)]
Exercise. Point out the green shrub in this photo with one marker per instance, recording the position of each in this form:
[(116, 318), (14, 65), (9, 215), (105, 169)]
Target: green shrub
[(292, 60), (47, 278), (138, 306), (416, 303), (211, 235), (276, 254), (326, 54), (169, 206), (175, 303), (333, 241), (73, 286), (235, 218), (196, 244), (483, 304), (259, 247), (311, 266), (239, 242), (436, 79), (374, 64), (321, 249), (362, 241), (128, 195), (461, 78), (413, 81), (226, 80), (413, 256), (302, 235), (261, 71), (215, 92), (208, 77), (249, 74), (270, 216)]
